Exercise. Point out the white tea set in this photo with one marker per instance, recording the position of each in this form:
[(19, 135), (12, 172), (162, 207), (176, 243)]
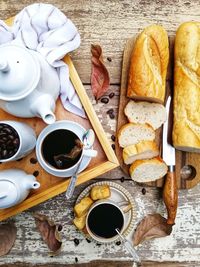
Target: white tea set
[(29, 87)]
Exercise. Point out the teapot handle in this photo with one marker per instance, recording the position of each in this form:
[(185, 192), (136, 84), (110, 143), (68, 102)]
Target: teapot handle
[(3, 195)]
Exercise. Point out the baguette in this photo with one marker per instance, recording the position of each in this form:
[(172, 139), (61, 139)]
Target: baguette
[(132, 133), (144, 112), (148, 170), (142, 150), (186, 127), (148, 67)]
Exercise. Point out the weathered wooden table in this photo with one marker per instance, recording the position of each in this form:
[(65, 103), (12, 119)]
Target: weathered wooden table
[(110, 23)]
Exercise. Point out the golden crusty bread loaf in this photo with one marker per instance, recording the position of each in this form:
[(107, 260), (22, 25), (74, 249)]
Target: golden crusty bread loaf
[(142, 150), (81, 208), (186, 127), (100, 192), (148, 67)]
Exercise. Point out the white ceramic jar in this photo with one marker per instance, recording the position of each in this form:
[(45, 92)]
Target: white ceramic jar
[(15, 186)]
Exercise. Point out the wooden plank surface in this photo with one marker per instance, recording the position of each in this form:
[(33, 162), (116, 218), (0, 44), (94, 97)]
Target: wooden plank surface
[(111, 23)]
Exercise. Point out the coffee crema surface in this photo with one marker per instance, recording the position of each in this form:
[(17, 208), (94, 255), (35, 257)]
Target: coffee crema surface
[(60, 142)]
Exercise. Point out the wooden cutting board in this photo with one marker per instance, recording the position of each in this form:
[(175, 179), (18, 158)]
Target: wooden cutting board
[(187, 164)]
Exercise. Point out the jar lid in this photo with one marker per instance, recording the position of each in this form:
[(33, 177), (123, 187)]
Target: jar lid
[(8, 194), (19, 72)]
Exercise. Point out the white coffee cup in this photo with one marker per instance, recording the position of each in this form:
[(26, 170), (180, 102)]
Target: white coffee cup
[(121, 207), (27, 139), (75, 128)]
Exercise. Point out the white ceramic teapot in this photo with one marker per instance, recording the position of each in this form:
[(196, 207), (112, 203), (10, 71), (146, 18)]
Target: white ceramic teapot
[(29, 86), (15, 186)]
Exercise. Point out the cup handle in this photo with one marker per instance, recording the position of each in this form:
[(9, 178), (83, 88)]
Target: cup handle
[(91, 153), (125, 206)]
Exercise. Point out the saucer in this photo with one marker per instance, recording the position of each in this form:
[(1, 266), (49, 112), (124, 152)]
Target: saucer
[(118, 194), (68, 125)]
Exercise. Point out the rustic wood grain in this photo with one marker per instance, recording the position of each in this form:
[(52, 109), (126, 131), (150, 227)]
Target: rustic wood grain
[(111, 23)]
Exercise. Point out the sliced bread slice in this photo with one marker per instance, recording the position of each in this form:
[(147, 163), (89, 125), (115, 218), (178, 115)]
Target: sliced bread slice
[(132, 133), (142, 150), (148, 170), (145, 112)]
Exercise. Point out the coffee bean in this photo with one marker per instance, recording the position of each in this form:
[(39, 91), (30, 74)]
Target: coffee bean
[(111, 95), (110, 111), (105, 100), (4, 153), (98, 244), (16, 142), (122, 179), (33, 161), (88, 240), (36, 173), (144, 191), (60, 227), (113, 137), (11, 137), (113, 146), (7, 130), (109, 59), (76, 241), (118, 243), (76, 259), (112, 116)]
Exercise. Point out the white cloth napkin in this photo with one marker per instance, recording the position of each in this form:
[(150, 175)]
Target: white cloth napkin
[(44, 28)]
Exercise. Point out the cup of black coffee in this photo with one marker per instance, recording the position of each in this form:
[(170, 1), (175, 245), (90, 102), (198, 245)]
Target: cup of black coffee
[(60, 149), (103, 218), (17, 139)]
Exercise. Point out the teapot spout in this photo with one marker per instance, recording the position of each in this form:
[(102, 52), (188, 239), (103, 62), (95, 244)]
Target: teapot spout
[(32, 183), (43, 107)]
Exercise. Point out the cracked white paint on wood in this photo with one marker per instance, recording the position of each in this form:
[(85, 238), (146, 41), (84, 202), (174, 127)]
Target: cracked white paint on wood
[(110, 23)]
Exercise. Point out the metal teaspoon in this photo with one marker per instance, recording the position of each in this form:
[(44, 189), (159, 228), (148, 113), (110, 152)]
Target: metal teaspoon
[(88, 141)]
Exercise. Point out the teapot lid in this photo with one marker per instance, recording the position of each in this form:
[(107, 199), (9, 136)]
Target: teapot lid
[(8, 194), (19, 72)]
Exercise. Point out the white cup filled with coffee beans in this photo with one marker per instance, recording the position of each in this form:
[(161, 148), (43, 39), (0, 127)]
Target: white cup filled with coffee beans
[(17, 139)]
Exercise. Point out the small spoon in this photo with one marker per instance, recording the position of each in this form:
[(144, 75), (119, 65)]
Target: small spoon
[(88, 141), (127, 244)]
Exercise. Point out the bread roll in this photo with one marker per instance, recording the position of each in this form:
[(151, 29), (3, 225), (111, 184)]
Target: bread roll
[(100, 192), (83, 206), (148, 67), (144, 112), (132, 133), (186, 128), (80, 222), (148, 170), (142, 150)]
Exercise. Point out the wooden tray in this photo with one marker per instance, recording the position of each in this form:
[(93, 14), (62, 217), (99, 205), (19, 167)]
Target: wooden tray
[(184, 161), (51, 185)]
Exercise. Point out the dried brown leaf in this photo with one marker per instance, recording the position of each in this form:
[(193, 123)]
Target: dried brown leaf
[(49, 232), (100, 80), (7, 237), (152, 226)]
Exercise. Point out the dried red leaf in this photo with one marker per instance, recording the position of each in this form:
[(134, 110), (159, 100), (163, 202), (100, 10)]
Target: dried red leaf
[(152, 226), (100, 80), (7, 237), (49, 232)]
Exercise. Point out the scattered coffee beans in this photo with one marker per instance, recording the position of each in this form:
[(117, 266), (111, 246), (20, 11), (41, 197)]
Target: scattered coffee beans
[(118, 243), (110, 111), (36, 173), (76, 259), (109, 59), (113, 146), (105, 100), (111, 95), (144, 191), (122, 179), (9, 141), (113, 137), (112, 115), (76, 241), (88, 240), (33, 160), (60, 227)]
